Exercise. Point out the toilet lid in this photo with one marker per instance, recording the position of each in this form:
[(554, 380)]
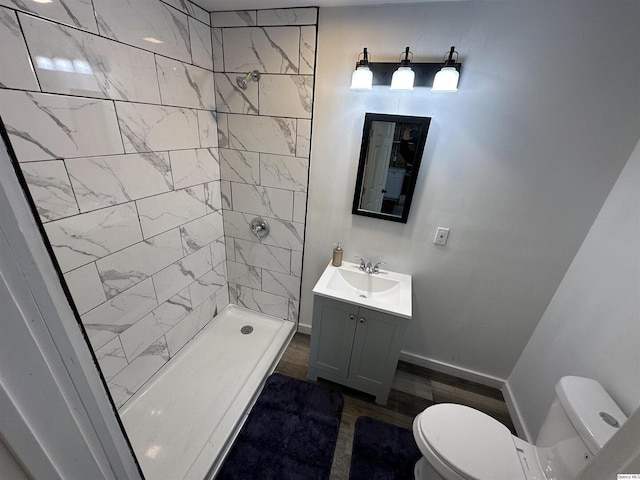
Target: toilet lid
[(470, 442)]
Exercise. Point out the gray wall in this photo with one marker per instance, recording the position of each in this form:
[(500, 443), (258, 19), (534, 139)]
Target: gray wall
[(116, 135), (518, 162), (591, 327)]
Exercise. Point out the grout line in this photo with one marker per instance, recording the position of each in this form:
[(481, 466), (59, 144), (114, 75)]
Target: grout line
[(155, 62), (115, 112), (88, 32), (95, 16), (134, 201), (224, 63), (26, 44), (136, 102), (188, 14), (152, 280)]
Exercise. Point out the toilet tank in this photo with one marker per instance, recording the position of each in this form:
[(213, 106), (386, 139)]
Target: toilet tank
[(581, 419)]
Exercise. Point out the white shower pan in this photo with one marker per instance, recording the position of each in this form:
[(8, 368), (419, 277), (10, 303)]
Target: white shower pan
[(183, 421)]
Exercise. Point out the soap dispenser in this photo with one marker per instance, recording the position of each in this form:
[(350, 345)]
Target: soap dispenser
[(336, 260)]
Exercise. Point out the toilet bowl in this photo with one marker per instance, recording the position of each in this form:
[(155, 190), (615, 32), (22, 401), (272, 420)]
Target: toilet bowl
[(460, 443)]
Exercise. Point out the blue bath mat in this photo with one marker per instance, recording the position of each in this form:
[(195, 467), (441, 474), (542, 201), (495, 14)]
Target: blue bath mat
[(382, 451), (290, 433)]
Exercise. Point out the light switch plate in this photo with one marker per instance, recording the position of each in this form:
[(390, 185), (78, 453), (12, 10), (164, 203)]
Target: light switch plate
[(442, 234)]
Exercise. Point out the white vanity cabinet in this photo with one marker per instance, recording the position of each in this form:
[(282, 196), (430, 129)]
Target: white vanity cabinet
[(355, 346)]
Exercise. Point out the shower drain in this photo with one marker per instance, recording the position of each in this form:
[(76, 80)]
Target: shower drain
[(246, 330)]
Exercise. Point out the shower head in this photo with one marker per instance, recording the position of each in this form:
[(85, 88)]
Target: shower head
[(242, 80)]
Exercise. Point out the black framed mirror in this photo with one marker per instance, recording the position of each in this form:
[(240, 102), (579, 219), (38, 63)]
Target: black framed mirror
[(390, 156)]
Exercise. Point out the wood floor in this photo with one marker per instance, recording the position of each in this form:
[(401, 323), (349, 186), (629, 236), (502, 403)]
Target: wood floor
[(414, 389)]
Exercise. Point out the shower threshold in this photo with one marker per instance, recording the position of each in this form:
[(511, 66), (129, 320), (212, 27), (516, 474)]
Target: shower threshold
[(182, 423)]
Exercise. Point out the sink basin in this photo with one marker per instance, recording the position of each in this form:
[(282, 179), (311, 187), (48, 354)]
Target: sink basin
[(385, 291), (370, 284)]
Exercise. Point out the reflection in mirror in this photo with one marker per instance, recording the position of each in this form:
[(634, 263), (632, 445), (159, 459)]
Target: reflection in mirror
[(390, 156)]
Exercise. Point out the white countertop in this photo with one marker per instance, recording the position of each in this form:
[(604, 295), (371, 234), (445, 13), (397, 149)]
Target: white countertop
[(386, 291)]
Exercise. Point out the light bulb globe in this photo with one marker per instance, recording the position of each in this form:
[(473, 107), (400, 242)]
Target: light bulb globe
[(362, 78), (446, 80), (402, 79)]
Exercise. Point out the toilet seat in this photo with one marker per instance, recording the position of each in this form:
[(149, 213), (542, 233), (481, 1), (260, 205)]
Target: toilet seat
[(468, 442)]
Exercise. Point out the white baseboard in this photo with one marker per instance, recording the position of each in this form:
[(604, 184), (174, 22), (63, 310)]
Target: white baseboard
[(464, 373), (514, 412), (306, 329), (481, 378)]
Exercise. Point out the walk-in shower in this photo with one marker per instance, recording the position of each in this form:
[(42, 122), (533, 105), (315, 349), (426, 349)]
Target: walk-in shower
[(131, 151)]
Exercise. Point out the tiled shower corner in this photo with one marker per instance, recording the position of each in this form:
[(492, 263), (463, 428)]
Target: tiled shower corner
[(112, 116), (146, 166), (264, 137)]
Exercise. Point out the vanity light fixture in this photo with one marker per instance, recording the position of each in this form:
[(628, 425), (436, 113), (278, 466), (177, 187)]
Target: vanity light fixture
[(362, 76), (408, 74), (403, 77), (446, 80)]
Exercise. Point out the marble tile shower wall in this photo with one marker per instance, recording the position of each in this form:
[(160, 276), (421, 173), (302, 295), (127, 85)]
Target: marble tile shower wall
[(110, 107), (264, 138)]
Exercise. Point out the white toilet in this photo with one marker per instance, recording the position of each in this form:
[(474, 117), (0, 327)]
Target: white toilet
[(460, 443)]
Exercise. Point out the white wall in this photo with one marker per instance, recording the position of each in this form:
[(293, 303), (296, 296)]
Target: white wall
[(591, 327), (517, 163), (9, 464)]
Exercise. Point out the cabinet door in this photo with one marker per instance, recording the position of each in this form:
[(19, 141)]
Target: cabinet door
[(376, 348), (334, 325)]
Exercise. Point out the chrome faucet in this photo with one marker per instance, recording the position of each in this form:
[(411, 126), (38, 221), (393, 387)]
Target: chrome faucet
[(368, 267)]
